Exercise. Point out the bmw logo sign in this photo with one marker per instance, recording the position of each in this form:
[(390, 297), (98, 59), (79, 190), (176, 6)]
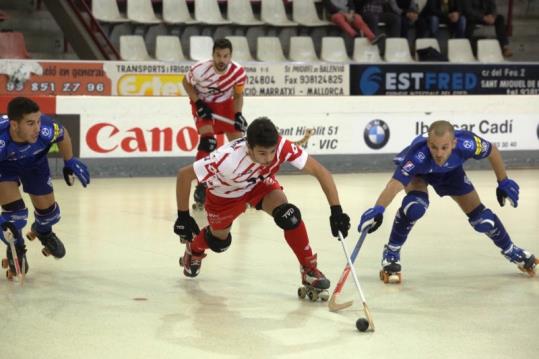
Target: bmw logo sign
[(376, 134)]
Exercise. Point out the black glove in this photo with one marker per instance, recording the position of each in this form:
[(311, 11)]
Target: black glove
[(339, 221), (240, 123), (185, 226), (203, 111)]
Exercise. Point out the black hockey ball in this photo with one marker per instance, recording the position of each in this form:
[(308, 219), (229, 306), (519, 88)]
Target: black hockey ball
[(362, 324)]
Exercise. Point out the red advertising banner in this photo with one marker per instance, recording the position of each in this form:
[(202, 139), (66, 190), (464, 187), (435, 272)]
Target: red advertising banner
[(49, 78)]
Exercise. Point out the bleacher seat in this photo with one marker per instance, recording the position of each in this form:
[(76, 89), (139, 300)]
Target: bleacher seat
[(176, 12), (200, 47), (141, 12), (489, 51), (273, 13), (333, 49), (268, 48), (133, 48), (107, 11), (240, 12), (12, 46), (304, 13), (168, 48), (208, 12), (240, 49), (397, 50), (365, 52), (424, 43), (302, 49), (460, 50)]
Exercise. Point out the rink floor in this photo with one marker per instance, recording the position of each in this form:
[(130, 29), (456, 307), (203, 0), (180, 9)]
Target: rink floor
[(119, 292)]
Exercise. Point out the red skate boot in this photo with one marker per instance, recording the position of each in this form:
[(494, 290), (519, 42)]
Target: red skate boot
[(315, 283), (191, 262)]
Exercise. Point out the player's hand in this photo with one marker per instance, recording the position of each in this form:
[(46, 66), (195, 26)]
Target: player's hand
[(185, 226), (7, 226), (240, 123), (203, 111), (507, 189), (75, 167), (339, 221), (372, 217)]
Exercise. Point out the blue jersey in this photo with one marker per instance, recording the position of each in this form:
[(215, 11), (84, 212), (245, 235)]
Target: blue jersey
[(416, 159), (26, 154)]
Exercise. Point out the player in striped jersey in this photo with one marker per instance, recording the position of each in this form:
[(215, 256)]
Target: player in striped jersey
[(215, 87), (242, 173)]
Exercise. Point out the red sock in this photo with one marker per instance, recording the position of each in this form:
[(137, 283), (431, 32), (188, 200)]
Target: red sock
[(199, 245), (298, 240)]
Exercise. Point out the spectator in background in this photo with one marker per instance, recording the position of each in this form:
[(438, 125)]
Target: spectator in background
[(375, 11), (345, 14), (484, 12), (409, 12), (449, 12)]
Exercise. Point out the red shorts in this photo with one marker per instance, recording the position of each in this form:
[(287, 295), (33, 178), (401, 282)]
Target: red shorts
[(221, 211), (225, 109)]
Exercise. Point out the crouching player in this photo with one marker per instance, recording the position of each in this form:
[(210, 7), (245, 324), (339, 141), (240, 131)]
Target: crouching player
[(25, 138), (243, 172), (437, 160)]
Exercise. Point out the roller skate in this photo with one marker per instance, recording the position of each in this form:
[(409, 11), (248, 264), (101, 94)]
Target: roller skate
[(15, 266), (525, 261), (199, 197), (315, 284), (52, 245), (191, 262), (391, 266)]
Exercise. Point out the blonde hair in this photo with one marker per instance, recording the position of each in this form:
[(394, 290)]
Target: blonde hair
[(440, 128)]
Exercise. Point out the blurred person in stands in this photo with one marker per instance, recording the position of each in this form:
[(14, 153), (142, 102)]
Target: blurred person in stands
[(345, 14), (483, 12), (386, 11), (449, 12), (409, 11), (215, 89)]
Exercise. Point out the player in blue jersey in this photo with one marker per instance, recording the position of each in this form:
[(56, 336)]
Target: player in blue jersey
[(437, 160), (25, 138)]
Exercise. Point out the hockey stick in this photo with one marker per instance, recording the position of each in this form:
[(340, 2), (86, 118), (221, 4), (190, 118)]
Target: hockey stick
[(222, 119), (8, 235), (358, 286), (303, 141), (332, 304)]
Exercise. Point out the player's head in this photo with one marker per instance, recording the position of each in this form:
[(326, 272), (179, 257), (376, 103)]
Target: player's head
[(441, 141), (221, 54), (24, 117), (262, 138)]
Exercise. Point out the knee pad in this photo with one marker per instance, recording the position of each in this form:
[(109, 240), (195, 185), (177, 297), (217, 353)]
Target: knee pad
[(482, 219), (48, 217), (414, 205), (207, 144), (287, 216), (216, 244), (16, 213)]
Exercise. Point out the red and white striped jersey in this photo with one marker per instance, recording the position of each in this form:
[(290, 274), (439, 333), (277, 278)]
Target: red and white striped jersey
[(229, 171), (212, 86)]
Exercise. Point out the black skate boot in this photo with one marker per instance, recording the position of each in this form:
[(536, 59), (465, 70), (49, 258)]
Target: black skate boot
[(391, 265), (13, 267), (51, 243), (199, 196), (524, 260), (191, 262), (315, 283)]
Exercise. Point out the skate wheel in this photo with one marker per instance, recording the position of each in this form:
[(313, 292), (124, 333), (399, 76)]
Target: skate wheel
[(45, 252), (9, 275), (5, 263), (181, 261), (302, 292), (31, 236), (324, 296), (384, 277), (313, 296), (182, 241)]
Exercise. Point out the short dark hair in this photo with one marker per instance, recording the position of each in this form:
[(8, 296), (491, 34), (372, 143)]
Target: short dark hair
[(440, 128), (222, 44), (20, 106), (262, 132)]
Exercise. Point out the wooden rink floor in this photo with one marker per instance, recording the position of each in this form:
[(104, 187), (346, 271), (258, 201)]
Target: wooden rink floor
[(119, 292)]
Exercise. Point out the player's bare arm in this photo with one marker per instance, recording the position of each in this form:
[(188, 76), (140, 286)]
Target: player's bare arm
[(183, 186), (496, 161), (324, 177), (393, 187), (65, 146), (191, 92)]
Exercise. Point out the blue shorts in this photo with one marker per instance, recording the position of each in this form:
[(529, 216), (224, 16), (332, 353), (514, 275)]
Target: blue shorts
[(453, 183), (35, 178)]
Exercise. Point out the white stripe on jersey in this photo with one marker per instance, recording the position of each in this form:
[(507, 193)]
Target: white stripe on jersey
[(212, 86), (229, 171)]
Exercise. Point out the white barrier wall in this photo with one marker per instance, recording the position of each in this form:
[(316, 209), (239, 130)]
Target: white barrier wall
[(133, 127)]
